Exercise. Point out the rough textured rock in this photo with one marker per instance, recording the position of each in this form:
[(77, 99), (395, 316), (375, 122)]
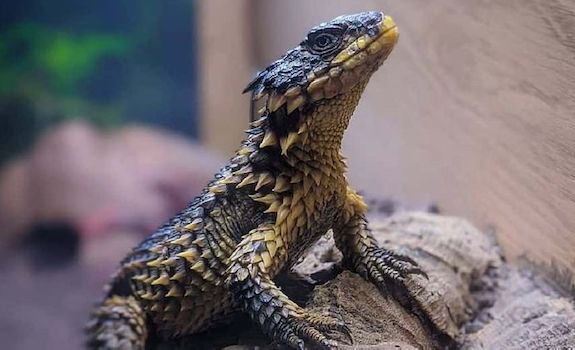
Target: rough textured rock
[(374, 320), (450, 250), (528, 313)]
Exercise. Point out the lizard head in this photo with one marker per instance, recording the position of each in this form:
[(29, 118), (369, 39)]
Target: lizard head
[(334, 58)]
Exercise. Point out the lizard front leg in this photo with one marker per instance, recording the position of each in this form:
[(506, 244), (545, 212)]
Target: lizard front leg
[(257, 258), (362, 254)]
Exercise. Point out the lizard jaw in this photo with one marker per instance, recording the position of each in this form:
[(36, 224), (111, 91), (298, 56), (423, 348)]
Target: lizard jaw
[(356, 62)]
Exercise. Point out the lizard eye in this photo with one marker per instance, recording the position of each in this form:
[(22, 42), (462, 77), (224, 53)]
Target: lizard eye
[(324, 42)]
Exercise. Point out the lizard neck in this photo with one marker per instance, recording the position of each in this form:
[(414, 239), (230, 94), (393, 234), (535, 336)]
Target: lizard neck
[(321, 130), (308, 142)]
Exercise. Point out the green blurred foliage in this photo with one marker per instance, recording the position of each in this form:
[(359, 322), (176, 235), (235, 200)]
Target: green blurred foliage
[(47, 67), (108, 62)]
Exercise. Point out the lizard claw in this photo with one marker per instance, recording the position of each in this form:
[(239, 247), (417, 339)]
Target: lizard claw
[(307, 331), (340, 325), (347, 332), (328, 323), (418, 271), (414, 269), (388, 270)]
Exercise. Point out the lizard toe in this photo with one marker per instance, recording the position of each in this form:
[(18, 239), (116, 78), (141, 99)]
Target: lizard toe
[(308, 332), (392, 266), (328, 323)]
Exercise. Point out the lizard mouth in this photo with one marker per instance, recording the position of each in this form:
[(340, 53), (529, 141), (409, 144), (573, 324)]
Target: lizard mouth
[(356, 62), (365, 46)]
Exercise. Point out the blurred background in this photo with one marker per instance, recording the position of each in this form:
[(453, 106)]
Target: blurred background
[(114, 114)]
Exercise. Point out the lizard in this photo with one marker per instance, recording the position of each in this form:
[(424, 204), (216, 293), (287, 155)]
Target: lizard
[(284, 187)]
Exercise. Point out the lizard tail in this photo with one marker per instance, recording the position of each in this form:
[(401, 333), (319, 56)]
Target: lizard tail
[(118, 323)]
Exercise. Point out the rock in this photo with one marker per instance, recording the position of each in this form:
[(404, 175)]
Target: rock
[(527, 313), (372, 318), (450, 250)]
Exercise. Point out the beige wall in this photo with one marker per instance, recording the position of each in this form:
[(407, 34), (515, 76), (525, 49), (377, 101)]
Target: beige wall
[(226, 67), (474, 110)]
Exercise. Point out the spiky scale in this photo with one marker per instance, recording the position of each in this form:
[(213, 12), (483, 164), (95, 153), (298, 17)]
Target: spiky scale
[(309, 202), (281, 185), (282, 215), (156, 262), (163, 280), (199, 266), (140, 278), (294, 103), (297, 209), (218, 188), (265, 179), (200, 241), (190, 255), (257, 236), (297, 196), (149, 279), (175, 291), (296, 178), (293, 91), (301, 221), (268, 199), (269, 139), (183, 240), (209, 276), (195, 224), (288, 141), (245, 170), (147, 296), (275, 102), (134, 265), (244, 151), (168, 316), (316, 175), (272, 247), (307, 184), (317, 84), (217, 211), (207, 255), (267, 259), (249, 179), (273, 208), (159, 249), (259, 122)]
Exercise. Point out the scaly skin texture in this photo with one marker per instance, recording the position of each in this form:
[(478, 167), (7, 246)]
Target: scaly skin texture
[(282, 190)]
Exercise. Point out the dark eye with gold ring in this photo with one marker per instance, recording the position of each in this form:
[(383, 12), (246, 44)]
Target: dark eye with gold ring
[(325, 41)]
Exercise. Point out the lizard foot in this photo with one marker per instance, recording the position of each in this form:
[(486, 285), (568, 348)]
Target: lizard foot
[(388, 269), (306, 331)]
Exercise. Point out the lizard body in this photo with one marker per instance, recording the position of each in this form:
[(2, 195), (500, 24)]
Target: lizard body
[(284, 188)]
